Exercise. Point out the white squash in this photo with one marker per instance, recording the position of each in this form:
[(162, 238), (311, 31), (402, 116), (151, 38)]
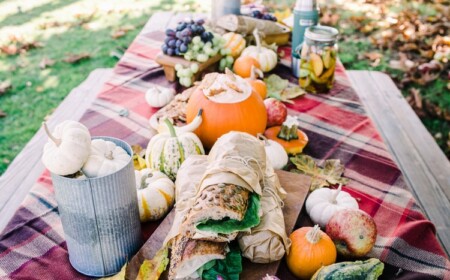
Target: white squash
[(323, 203), (105, 158), (159, 96), (166, 152), (155, 192), (68, 148), (275, 153), (266, 57)]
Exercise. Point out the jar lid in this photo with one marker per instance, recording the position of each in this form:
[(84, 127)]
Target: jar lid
[(321, 33)]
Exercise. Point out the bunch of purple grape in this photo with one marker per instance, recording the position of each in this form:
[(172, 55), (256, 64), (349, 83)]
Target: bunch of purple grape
[(177, 41), (260, 15)]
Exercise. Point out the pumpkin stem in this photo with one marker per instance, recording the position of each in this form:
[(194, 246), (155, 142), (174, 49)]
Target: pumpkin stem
[(171, 128), (263, 138), (49, 134), (258, 41), (288, 133), (313, 235), (109, 155), (335, 195), (255, 71)]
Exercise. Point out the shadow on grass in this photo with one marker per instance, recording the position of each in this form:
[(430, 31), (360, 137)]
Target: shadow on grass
[(32, 99), (23, 17)]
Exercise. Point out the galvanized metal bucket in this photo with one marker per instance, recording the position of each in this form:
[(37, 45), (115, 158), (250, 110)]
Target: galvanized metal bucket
[(100, 218)]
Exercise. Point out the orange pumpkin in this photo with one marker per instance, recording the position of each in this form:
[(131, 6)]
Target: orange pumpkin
[(310, 250), (243, 66), (246, 112), (288, 135), (259, 86)]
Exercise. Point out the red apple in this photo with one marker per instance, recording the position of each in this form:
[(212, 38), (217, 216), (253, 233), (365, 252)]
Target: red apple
[(276, 112), (353, 232)]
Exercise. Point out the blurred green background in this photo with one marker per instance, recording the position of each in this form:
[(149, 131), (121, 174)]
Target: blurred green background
[(49, 47)]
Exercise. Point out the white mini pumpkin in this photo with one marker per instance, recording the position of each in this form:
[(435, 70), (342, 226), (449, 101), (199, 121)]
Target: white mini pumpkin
[(155, 194), (323, 203), (266, 57), (167, 151), (105, 158), (275, 153), (159, 96), (67, 149)]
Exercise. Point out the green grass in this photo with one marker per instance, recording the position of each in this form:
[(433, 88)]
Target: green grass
[(64, 27), (76, 26)]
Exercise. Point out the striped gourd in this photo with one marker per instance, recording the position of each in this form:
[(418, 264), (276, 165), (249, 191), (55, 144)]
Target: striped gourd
[(235, 42), (370, 269), (166, 152)]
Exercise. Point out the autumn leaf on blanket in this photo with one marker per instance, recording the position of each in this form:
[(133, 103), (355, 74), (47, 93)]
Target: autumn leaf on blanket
[(330, 174), (152, 269), (138, 157), (74, 58), (280, 89)]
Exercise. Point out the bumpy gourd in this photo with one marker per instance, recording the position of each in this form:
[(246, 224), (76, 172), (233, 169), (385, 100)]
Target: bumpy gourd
[(323, 203), (370, 269), (105, 158), (155, 194), (68, 148), (266, 57), (166, 152)]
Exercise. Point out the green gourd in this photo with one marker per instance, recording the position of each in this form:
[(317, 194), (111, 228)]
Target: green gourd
[(370, 269)]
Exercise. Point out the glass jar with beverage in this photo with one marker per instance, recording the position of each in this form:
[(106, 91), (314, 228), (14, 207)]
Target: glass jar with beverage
[(318, 59)]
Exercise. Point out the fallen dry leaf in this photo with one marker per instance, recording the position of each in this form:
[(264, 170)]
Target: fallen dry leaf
[(5, 86), (417, 97), (122, 31), (330, 174), (74, 58), (403, 64), (46, 62)]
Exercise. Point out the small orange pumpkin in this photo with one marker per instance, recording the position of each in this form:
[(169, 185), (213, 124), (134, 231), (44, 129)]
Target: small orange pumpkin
[(288, 135), (243, 66), (310, 250), (243, 110), (258, 85)]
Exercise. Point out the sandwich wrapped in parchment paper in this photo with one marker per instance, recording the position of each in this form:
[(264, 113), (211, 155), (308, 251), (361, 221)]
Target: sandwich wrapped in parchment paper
[(268, 241)]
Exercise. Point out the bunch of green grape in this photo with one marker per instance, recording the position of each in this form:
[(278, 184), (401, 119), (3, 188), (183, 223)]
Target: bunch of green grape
[(185, 74)]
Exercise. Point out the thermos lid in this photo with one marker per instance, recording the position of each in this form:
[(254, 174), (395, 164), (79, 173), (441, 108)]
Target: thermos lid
[(321, 33), (305, 5)]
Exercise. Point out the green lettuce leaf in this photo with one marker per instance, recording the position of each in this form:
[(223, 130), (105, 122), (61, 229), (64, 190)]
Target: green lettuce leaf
[(228, 269), (227, 225)]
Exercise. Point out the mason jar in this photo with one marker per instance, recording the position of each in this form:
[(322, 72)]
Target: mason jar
[(318, 59)]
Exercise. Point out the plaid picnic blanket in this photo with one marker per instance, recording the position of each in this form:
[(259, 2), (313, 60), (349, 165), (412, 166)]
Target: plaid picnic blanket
[(33, 247)]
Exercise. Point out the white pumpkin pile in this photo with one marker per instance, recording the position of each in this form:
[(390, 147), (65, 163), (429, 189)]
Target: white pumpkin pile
[(70, 150)]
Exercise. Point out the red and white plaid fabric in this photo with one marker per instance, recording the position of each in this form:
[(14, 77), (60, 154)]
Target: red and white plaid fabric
[(32, 246)]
